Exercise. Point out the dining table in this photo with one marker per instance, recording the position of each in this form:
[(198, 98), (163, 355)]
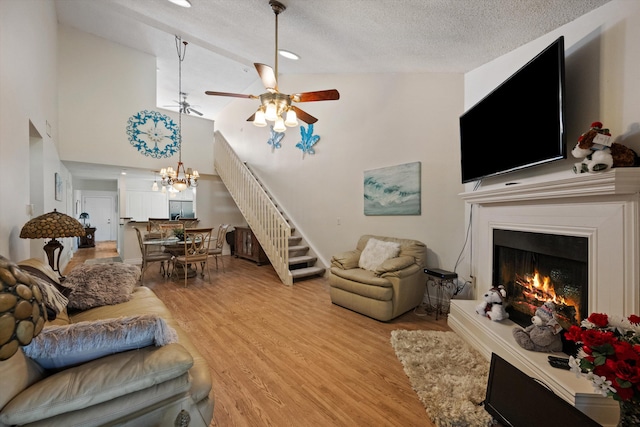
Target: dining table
[(175, 247)]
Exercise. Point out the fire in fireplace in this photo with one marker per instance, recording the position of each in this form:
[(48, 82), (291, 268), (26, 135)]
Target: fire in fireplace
[(539, 267)]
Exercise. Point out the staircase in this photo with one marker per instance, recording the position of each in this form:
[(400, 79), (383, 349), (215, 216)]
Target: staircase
[(288, 253)]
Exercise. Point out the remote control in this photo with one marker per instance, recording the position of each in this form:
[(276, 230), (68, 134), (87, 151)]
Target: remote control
[(560, 363), (561, 359)]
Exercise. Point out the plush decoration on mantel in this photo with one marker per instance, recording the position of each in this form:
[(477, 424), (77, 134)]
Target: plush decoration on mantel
[(492, 305), (544, 333), (599, 153)]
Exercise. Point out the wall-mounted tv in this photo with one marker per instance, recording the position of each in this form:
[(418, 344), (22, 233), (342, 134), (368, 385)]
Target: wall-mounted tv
[(520, 123)]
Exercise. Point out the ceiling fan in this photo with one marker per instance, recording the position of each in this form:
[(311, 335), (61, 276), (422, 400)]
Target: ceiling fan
[(184, 106), (273, 103)]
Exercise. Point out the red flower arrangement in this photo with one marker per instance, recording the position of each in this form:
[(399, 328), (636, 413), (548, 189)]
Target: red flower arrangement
[(609, 354)]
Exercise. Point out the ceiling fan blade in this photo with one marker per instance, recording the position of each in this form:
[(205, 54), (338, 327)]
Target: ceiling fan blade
[(320, 95), (304, 116), (253, 116), (191, 110), (267, 76), (235, 95)]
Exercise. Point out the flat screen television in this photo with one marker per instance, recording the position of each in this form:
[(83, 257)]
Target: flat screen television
[(515, 399), (520, 123)]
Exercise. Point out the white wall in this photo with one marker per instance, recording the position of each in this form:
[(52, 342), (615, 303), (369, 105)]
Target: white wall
[(102, 84), (380, 120), (28, 102)]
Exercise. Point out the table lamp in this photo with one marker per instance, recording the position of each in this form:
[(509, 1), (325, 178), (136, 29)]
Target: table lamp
[(52, 225)]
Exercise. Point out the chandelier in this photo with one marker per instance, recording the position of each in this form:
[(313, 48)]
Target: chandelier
[(179, 178)]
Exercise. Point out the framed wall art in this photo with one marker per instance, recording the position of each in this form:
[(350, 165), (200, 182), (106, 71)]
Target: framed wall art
[(393, 190), (58, 186)]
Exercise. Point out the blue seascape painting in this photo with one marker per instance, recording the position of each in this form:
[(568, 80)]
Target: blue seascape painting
[(394, 190)]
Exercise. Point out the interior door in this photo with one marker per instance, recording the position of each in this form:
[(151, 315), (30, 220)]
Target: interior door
[(101, 213)]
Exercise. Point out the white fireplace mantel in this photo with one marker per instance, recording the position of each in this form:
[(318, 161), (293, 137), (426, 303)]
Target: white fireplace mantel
[(612, 182), (604, 208)]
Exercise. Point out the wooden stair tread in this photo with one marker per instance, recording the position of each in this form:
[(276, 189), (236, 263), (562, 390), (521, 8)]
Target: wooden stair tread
[(302, 259), (306, 272)]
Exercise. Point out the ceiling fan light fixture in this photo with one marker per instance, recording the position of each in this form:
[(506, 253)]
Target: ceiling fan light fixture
[(278, 126), (271, 113), (292, 118), (259, 119), (181, 3)]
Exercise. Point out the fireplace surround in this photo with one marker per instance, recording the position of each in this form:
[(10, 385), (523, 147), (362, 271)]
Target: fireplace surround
[(603, 209)]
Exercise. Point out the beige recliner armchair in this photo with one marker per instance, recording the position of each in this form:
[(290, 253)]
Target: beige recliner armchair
[(383, 290)]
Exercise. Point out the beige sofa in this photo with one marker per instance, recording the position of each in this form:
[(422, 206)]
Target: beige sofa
[(151, 386), (394, 287)]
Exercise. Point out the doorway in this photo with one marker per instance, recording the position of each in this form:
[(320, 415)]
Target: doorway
[(101, 210)]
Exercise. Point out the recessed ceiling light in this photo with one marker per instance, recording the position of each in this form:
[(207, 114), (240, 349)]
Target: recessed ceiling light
[(183, 3), (288, 55)]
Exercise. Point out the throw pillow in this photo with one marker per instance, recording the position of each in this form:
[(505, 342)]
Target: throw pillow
[(54, 300), (376, 252), (58, 347), (96, 285)]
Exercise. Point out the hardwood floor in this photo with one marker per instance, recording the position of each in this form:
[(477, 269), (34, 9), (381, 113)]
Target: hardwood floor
[(286, 356)]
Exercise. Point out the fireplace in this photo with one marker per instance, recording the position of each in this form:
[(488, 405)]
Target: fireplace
[(597, 218), (539, 267)]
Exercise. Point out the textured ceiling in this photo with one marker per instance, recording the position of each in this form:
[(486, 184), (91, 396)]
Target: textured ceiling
[(331, 36)]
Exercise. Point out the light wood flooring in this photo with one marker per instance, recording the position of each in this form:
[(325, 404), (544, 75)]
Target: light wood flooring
[(286, 356)]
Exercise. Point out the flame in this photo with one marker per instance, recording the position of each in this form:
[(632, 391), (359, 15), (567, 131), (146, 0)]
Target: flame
[(540, 288)]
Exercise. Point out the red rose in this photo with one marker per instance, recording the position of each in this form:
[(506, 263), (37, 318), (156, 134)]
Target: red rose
[(634, 319), (596, 125), (627, 372), (607, 370), (574, 333), (625, 351), (594, 338), (599, 319)]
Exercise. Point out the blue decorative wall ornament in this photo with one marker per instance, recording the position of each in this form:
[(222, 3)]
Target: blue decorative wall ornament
[(308, 140), (153, 134), (274, 139)]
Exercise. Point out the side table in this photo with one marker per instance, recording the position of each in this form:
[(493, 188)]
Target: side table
[(88, 240), (441, 280)]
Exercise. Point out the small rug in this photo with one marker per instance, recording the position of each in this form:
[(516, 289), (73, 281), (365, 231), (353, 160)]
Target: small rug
[(449, 376), (103, 260)]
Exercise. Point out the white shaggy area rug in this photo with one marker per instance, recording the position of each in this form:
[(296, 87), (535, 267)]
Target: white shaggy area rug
[(449, 376)]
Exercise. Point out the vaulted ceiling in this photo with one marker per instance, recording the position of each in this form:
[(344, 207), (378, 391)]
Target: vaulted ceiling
[(331, 36)]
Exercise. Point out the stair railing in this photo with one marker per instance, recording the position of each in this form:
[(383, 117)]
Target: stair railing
[(263, 217)]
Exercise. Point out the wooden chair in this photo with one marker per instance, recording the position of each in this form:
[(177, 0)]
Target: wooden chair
[(150, 257), (196, 251), (216, 250)]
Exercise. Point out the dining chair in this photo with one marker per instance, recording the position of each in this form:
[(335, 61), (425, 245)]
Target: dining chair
[(196, 251), (216, 250), (151, 257)]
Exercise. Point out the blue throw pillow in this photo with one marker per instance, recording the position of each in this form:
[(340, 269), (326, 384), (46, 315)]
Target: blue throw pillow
[(58, 347)]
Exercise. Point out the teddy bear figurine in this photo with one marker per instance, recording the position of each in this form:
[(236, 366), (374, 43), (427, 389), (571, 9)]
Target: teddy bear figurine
[(598, 157), (543, 334), (492, 305)]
